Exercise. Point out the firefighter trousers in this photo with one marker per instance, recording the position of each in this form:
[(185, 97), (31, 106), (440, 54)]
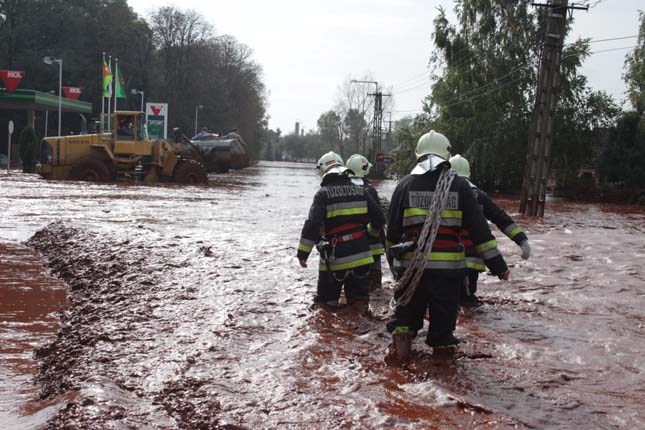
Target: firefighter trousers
[(355, 283), (440, 296)]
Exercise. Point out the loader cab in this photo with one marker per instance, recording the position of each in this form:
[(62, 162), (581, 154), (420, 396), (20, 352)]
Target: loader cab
[(129, 134)]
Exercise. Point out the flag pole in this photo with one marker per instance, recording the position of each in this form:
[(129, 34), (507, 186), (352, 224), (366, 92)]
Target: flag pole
[(102, 92), (109, 93), (115, 78)]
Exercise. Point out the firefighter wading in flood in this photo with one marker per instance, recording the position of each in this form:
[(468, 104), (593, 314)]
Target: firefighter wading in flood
[(338, 226), (359, 167), (497, 216), (445, 268)]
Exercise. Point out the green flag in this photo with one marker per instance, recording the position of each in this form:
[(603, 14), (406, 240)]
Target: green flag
[(120, 84), (107, 79)]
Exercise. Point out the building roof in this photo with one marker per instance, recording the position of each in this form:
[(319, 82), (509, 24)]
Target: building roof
[(35, 100)]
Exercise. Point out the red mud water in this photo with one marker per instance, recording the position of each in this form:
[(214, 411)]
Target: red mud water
[(188, 310), (28, 300)]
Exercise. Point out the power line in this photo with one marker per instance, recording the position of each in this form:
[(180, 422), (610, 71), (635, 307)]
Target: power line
[(413, 84), (408, 110), (596, 3), (496, 80), (613, 38), (453, 102), (484, 93), (419, 80), (613, 49), (419, 85), (412, 78)]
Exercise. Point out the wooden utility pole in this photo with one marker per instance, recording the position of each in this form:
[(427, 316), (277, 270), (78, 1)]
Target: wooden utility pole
[(538, 159)]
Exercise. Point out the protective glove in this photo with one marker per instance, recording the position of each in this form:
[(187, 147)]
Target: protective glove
[(526, 249)]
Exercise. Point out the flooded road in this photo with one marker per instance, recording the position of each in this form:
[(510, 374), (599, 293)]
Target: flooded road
[(187, 310)]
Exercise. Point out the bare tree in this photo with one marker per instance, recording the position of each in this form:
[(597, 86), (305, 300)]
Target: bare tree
[(355, 107)]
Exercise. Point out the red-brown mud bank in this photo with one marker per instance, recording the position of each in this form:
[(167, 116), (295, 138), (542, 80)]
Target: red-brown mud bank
[(109, 324)]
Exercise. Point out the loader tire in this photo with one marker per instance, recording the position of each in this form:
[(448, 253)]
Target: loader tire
[(92, 170), (221, 168), (190, 172)]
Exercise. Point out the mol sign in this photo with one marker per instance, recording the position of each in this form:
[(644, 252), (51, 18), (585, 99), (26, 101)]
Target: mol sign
[(11, 79), (72, 92), (157, 120)]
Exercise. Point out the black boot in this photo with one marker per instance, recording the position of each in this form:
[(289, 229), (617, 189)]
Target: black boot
[(402, 340)]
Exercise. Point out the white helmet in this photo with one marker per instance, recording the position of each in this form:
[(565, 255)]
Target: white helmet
[(359, 165), (435, 147), (330, 163), (433, 143), (461, 166)]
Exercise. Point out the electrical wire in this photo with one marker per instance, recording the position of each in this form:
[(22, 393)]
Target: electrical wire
[(613, 38), (419, 80), (596, 3), (614, 49)]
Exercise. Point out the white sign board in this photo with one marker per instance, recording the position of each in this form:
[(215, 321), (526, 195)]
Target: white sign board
[(157, 120)]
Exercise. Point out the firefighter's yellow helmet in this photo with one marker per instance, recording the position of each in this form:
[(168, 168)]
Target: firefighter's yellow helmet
[(327, 161), (433, 143), (359, 165), (461, 166)]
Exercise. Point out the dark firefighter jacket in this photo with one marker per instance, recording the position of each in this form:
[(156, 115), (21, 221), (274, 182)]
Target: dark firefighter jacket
[(340, 214), (376, 243), (408, 211), (497, 216)]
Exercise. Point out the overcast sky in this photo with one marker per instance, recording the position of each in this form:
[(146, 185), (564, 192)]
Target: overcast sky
[(308, 48)]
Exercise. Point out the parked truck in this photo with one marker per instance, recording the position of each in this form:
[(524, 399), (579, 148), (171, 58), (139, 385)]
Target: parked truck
[(217, 153)]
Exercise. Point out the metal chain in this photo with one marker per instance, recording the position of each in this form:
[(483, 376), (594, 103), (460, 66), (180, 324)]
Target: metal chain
[(412, 275)]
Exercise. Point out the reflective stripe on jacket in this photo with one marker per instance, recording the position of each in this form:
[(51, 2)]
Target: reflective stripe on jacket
[(409, 209), (341, 208)]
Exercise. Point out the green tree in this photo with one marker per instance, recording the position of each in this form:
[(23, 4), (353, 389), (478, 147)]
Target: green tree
[(635, 73), (483, 95), (406, 134), (330, 129), (27, 141), (175, 56), (484, 84), (623, 162)]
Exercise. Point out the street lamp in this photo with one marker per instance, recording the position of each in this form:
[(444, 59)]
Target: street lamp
[(47, 115), (197, 108), (135, 92), (354, 81), (52, 60)]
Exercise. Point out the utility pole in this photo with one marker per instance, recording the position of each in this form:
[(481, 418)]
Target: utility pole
[(538, 158), (377, 122), (388, 140)]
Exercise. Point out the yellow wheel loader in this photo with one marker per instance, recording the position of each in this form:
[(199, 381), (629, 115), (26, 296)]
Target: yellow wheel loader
[(124, 152)]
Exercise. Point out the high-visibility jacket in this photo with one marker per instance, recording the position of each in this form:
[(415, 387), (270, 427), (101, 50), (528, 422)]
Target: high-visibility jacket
[(344, 215), (376, 244), (497, 216), (408, 211)]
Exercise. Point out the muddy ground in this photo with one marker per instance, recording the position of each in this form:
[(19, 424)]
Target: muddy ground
[(186, 309)]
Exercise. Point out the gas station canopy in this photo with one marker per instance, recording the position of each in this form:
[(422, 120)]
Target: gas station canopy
[(31, 100)]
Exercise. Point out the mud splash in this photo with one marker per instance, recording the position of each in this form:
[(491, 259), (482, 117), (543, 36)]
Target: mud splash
[(188, 310)]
